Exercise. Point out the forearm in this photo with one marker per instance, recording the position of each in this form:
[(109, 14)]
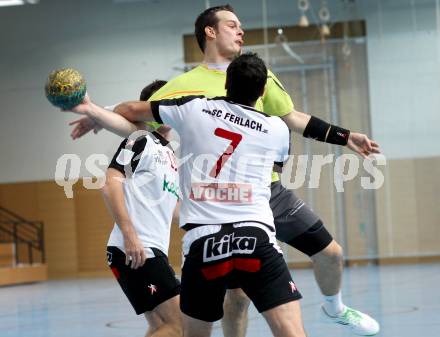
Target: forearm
[(111, 121), (315, 128)]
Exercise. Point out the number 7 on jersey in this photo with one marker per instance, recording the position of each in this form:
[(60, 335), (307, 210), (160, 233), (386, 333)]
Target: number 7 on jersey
[(235, 139)]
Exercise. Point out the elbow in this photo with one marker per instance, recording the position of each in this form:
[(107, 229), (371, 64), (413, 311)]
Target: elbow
[(130, 111), (127, 110)]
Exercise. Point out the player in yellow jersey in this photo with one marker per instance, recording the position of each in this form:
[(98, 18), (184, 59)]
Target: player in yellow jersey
[(220, 36)]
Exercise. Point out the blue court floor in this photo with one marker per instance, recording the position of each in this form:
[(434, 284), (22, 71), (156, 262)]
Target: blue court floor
[(404, 299)]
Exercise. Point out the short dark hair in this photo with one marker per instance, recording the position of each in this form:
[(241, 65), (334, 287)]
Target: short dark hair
[(150, 89), (208, 18), (246, 77)]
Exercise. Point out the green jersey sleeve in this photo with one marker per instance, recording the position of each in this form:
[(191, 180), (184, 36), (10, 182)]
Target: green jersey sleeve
[(276, 101)]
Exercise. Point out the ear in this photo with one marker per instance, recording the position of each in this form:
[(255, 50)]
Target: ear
[(210, 32)]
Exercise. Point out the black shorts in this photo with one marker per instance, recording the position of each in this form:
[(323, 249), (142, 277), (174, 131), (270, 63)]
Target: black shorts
[(148, 286), (231, 254), (296, 223)]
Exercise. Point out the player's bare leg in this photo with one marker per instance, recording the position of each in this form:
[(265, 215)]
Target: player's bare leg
[(235, 318), (167, 313), (196, 328), (285, 320), (154, 322), (328, 266)]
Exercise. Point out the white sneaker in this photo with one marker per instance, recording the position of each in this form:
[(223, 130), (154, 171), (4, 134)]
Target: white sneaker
[(361, 324)]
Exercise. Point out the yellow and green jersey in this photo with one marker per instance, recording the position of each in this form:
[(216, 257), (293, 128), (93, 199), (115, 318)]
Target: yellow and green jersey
[(211, 83)]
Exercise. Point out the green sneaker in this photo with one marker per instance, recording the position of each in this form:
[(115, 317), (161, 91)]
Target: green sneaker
[(361, 324)]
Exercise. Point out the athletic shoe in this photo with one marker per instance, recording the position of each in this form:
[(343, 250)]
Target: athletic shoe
[(361, 324)]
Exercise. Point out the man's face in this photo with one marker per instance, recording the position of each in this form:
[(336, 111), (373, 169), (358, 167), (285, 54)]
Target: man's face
[(229, 35)]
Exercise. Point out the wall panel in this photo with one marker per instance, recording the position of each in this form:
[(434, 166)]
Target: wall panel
[(93, 225), (58, 214)]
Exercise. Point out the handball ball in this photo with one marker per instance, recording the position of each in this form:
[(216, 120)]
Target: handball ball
[(65, 88)]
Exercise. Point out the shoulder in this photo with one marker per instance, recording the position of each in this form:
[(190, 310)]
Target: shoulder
[(276, 101), (138, 145), (279, 125), (273, 80), (182, 85), (147, 144), (129, 152)]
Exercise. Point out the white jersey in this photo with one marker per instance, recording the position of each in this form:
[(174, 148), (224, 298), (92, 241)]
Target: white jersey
[(151, 190), (227, 155)]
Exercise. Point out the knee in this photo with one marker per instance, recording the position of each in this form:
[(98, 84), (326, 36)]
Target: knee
[(332, 254), (236, 301), (154, 323), (336, 252)]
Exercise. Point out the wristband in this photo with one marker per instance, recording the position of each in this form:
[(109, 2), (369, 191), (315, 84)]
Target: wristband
[(317, 129), (324, 132), (337, 135)]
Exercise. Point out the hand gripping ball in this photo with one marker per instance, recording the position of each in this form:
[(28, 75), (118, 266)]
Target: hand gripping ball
[(65, 88)]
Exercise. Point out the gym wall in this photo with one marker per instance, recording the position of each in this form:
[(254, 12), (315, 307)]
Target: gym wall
[(120, 48)]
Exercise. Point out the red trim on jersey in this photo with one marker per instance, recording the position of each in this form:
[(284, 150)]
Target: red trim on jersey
[(223, 268)]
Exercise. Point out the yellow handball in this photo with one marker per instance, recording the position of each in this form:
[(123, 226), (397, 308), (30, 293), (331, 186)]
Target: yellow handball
[(65, 88)]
